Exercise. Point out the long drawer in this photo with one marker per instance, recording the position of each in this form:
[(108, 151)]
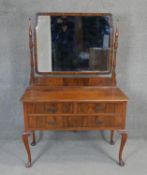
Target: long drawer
[(74, 121)]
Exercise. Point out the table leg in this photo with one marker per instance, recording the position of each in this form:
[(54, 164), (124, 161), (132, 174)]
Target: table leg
[(33, 139), (124, 136), (112, 138), (25, 136)]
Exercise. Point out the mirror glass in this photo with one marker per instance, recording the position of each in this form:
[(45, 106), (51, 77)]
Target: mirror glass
[(73, 43)]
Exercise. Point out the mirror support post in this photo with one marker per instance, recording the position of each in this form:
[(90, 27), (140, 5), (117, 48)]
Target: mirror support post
[(115, 46), (31, 45)]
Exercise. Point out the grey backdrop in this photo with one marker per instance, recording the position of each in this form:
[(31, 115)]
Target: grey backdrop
[(14, 57)]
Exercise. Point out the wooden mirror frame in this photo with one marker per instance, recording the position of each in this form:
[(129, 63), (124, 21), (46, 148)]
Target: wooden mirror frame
[(33, 48)]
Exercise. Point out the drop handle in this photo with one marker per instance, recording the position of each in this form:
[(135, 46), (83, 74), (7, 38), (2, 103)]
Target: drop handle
[(52, 110), (99, 108), (98, 121), (51, 122)]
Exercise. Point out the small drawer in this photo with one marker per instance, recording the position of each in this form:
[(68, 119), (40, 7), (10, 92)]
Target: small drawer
[(96, 108), (50, 108), (45, 122)]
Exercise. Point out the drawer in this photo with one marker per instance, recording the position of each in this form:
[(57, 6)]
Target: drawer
[(50, 108), (87, 108), (74, 121)]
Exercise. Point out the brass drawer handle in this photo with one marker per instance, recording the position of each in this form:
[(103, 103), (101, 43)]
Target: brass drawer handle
[(51, 122), (98, 122), (52, 110), (99, 108)]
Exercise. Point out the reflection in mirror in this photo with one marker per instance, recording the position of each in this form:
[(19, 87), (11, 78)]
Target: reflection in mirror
[(73, 43), (43, 38)]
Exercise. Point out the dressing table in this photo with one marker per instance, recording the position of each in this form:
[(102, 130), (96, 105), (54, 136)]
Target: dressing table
[(72, 78)]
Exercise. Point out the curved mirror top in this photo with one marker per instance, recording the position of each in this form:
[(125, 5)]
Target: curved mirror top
[(73, 43)]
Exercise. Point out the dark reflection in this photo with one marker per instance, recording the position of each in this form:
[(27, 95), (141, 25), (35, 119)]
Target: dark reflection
[(80, 43)]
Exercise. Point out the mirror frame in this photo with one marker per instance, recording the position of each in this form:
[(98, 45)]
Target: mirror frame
[(110, 61)]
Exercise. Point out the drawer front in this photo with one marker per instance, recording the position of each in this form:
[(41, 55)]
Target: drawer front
[(50, 108), (69, 122), (97, 108)]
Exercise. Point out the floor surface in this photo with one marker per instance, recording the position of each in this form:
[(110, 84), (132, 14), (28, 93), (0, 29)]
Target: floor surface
[(68, 153)]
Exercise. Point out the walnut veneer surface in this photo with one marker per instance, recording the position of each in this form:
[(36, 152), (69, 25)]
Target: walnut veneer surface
[(78, 108), (36, 93)]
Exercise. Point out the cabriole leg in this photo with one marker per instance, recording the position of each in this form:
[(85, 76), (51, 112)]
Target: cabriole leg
[(26, 144), (33, 139), (112, 137), (124, 136)]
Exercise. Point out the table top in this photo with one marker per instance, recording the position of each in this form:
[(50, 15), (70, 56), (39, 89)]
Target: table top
[(50, 94)]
